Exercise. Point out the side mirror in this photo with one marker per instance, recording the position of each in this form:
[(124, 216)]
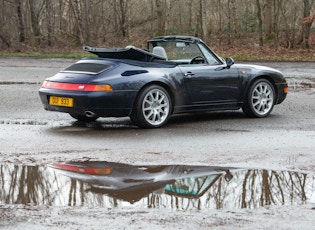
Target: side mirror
[(229, 62)]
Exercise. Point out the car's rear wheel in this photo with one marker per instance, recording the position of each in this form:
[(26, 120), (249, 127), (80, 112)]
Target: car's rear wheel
[(152, 107), (260, 99), (83, 118)]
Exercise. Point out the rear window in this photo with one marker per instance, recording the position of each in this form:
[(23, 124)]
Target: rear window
[(91, 68)]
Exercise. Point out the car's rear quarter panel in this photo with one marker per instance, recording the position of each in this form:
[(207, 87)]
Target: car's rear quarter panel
[(125, 88)]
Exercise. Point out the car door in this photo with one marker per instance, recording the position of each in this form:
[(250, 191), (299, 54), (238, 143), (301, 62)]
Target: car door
[(211, 85)]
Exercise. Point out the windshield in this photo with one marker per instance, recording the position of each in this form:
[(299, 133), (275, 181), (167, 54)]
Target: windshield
[(184, 52)]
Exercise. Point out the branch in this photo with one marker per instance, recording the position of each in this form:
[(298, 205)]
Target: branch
[(309, 20)]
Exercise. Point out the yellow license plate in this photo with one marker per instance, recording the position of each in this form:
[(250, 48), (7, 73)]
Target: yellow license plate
[(61, 101)]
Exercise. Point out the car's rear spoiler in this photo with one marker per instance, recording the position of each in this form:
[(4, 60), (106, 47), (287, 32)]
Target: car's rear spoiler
[(131, 53)]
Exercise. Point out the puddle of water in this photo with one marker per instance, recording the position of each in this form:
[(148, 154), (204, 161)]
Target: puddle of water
[(179, 187), (19, 83), (22, 122)]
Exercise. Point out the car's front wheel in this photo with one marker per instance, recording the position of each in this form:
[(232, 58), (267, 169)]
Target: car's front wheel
[(260, 99), (152, 108)]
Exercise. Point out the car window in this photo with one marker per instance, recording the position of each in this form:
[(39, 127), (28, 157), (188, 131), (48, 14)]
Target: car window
[(92, 68), (211, 59)]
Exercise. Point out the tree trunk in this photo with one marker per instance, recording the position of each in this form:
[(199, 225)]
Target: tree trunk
[(160, 17), (268, 17), (190, 15), (203, 20), (21, 27), (74, 4), (167, 4), (260, 27), (34, 22), (307, 24), (275, 20), (229, 23), (49, 13), (123, 4), (234, 18)]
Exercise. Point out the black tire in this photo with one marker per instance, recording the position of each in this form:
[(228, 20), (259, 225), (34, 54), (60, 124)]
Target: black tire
[(83, 118), (152, 108), (260, 99)]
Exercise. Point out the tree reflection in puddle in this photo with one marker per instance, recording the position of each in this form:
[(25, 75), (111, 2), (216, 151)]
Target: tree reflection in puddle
[(179, 187)]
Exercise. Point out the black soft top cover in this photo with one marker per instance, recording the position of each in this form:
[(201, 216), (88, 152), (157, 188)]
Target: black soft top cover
[(130, 53)]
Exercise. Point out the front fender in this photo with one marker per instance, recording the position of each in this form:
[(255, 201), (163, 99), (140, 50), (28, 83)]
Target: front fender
[(250, 73)]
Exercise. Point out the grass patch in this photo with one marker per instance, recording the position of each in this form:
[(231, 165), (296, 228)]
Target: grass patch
[(266, 55), (283, 58), (47, 55), (277, 55)]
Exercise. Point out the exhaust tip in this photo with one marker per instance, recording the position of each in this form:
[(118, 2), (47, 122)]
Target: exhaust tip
[(90, 114)]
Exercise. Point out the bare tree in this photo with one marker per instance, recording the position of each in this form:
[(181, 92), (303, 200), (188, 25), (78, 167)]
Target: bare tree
[(35, 8), (276, 19), (260, 26), (268, 17), (235, 22), (307, 23), (229, 23), (232, 21), (290, 14), (49, 18), (203, 20), (4, 19), (167, 15), (123, 5), (160, 17), (76, 10), (21, 27), (75, 22)]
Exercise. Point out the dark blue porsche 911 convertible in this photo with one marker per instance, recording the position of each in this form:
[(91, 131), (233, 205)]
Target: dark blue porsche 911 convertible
[(175, 74)]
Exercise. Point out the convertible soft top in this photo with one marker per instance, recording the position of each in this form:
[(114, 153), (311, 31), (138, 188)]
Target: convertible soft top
[(130, 53)]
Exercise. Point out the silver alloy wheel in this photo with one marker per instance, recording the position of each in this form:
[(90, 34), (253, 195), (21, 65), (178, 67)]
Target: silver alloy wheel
[(262, 98), (155, 107)]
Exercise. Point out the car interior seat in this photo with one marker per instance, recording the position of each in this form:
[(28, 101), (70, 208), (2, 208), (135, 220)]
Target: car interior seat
[(160, 51)]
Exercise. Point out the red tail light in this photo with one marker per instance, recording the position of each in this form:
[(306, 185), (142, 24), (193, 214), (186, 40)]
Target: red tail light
[(82, 169), (77, 87)]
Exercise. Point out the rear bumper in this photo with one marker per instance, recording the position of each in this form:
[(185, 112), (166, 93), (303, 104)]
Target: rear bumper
[(102, 104)]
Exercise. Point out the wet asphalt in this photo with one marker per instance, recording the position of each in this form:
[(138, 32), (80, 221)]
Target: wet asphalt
[(218, 137)]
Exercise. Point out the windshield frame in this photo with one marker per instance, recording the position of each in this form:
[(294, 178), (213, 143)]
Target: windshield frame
[(196, 44)]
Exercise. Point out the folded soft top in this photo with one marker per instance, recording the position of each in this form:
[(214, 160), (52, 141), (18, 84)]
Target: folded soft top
[(130, 52)]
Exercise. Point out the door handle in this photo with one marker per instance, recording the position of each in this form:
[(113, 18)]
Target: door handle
[(189, 74)]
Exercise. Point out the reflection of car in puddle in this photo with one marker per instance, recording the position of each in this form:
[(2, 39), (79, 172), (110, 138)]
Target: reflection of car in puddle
[(132, 183), (180, 187)]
